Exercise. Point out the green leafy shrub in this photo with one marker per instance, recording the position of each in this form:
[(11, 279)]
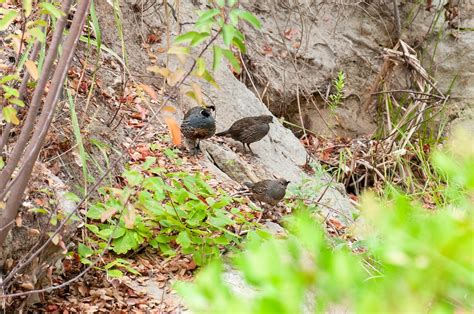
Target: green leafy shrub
[(414, 260), (172, 211)]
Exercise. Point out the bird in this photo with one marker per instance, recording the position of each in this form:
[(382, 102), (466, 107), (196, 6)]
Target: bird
[(249, 130), (270, 192), (198, 124)]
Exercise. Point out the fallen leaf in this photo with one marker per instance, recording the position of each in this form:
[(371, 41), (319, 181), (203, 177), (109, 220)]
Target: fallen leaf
[(169, 108), (174, 130), (267, 50), (159, 70), (175, 77), (32, 69), (290, 33), (149, 90), (142, 112)]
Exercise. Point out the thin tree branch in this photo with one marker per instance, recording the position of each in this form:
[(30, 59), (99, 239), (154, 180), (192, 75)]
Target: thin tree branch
[(46, 116), (29, 123)]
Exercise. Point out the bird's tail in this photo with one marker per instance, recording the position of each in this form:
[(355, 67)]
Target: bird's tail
[(224, 133)]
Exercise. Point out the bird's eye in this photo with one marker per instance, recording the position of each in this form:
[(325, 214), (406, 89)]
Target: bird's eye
[(205, 113)]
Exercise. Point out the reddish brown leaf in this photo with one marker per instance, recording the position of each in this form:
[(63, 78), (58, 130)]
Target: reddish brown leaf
[(290, 33), (174, 130)]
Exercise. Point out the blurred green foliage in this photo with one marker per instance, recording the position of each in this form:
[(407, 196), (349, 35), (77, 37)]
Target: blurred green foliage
[(414, 260)]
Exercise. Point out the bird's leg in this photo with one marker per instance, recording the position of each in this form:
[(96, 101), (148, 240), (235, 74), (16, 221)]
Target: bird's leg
[(261, 214), (251, 151), (245, 150), (196, 147)]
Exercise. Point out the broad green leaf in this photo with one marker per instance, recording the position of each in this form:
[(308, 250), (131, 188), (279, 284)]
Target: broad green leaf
[(207, 15), (72, 197), (114, 273), (16, 101), (27, 6), (234, 19), (150, 160), (229, 55), (220, 3), (9, 92), (183, 239), (166, 249), (185, 37), (37, 33), (220, 221), (93, 228), (191, 94), (239, 44), (181, 196), (208, 77), (221, 203), (126, 243), (199, 38), (228, 32), (249, 17), (134, 177), (9, 114), (95, 211), (222, 240), (8, 78), (239, 35), (154, 184), (196, 218), (84, 251), (117, 233), (8, 17), (200, 66), (217, 57), (51, 9)]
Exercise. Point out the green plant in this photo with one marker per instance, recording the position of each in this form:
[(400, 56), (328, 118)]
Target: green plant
[(414, 261), (173, 211), (220, 21), (335, 99)]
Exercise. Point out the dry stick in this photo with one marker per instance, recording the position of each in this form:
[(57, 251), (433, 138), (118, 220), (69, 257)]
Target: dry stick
[(113, 165), (409, 92), (29, 123), (299, 109), (46, 116), (250, 77)]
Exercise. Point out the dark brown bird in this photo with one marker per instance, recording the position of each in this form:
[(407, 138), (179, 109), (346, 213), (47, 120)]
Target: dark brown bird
[(198, 124), (249, 130), (268, 191)]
